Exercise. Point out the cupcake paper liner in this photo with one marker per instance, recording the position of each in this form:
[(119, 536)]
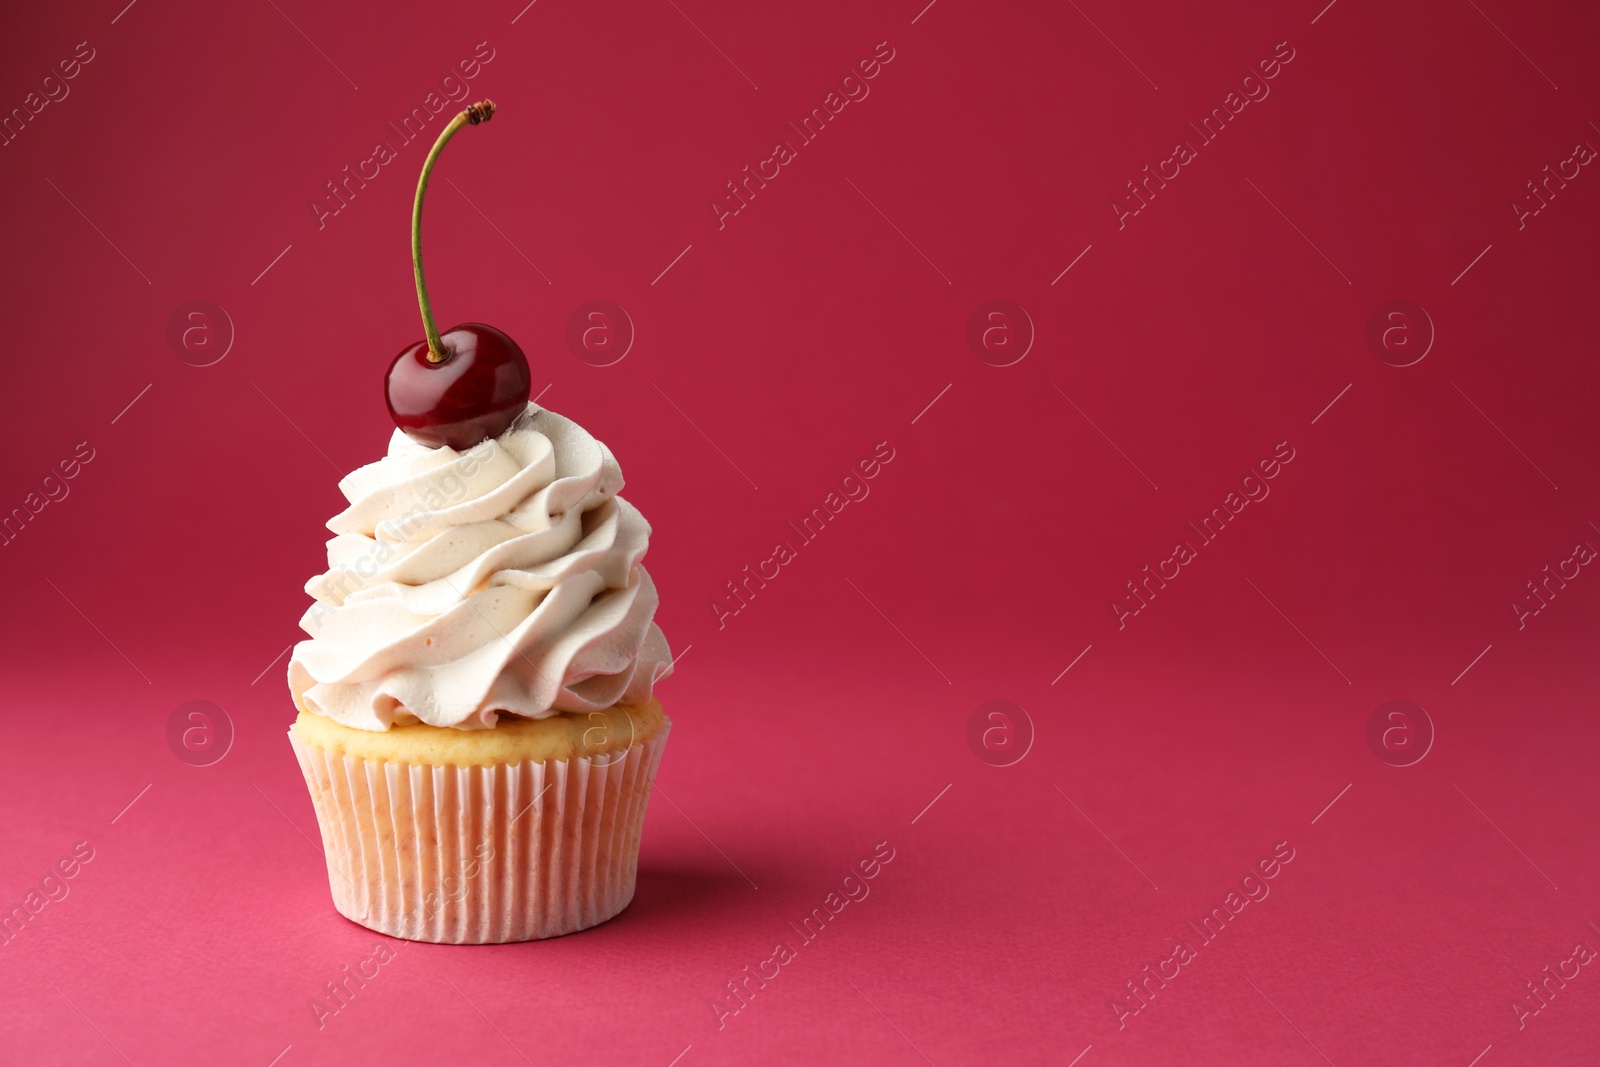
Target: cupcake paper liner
[(482, 855)]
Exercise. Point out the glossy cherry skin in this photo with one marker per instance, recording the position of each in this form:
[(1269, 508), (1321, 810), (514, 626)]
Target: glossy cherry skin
[(475, 394)]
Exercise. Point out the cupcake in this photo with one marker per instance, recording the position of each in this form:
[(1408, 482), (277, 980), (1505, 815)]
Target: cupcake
[(477, 724)]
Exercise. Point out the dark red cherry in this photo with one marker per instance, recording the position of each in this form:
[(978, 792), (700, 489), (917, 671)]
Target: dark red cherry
[(475, 393)]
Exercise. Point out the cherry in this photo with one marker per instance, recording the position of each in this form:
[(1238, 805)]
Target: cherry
[(471, 383), (475, 392)]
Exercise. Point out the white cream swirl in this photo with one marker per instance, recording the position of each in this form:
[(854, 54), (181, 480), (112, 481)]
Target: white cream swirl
[(466, 585)]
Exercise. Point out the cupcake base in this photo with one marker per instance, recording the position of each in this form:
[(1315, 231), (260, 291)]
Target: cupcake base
[(469, 855)]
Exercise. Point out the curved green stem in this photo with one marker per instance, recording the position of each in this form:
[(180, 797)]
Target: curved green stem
[(482, 111)]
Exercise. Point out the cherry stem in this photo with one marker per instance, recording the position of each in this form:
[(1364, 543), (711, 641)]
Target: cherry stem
[(482, 111)]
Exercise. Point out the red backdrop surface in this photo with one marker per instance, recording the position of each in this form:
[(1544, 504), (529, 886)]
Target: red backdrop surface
[(1176, 327)]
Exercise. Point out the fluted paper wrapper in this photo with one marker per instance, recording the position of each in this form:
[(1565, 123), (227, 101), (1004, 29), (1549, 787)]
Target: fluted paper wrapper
[(482, 855)]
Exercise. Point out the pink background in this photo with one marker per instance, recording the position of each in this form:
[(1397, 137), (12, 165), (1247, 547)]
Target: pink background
[(1227, 316)]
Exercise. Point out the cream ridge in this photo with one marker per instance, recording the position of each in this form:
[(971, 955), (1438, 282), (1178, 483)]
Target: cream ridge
[(461, 586)]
